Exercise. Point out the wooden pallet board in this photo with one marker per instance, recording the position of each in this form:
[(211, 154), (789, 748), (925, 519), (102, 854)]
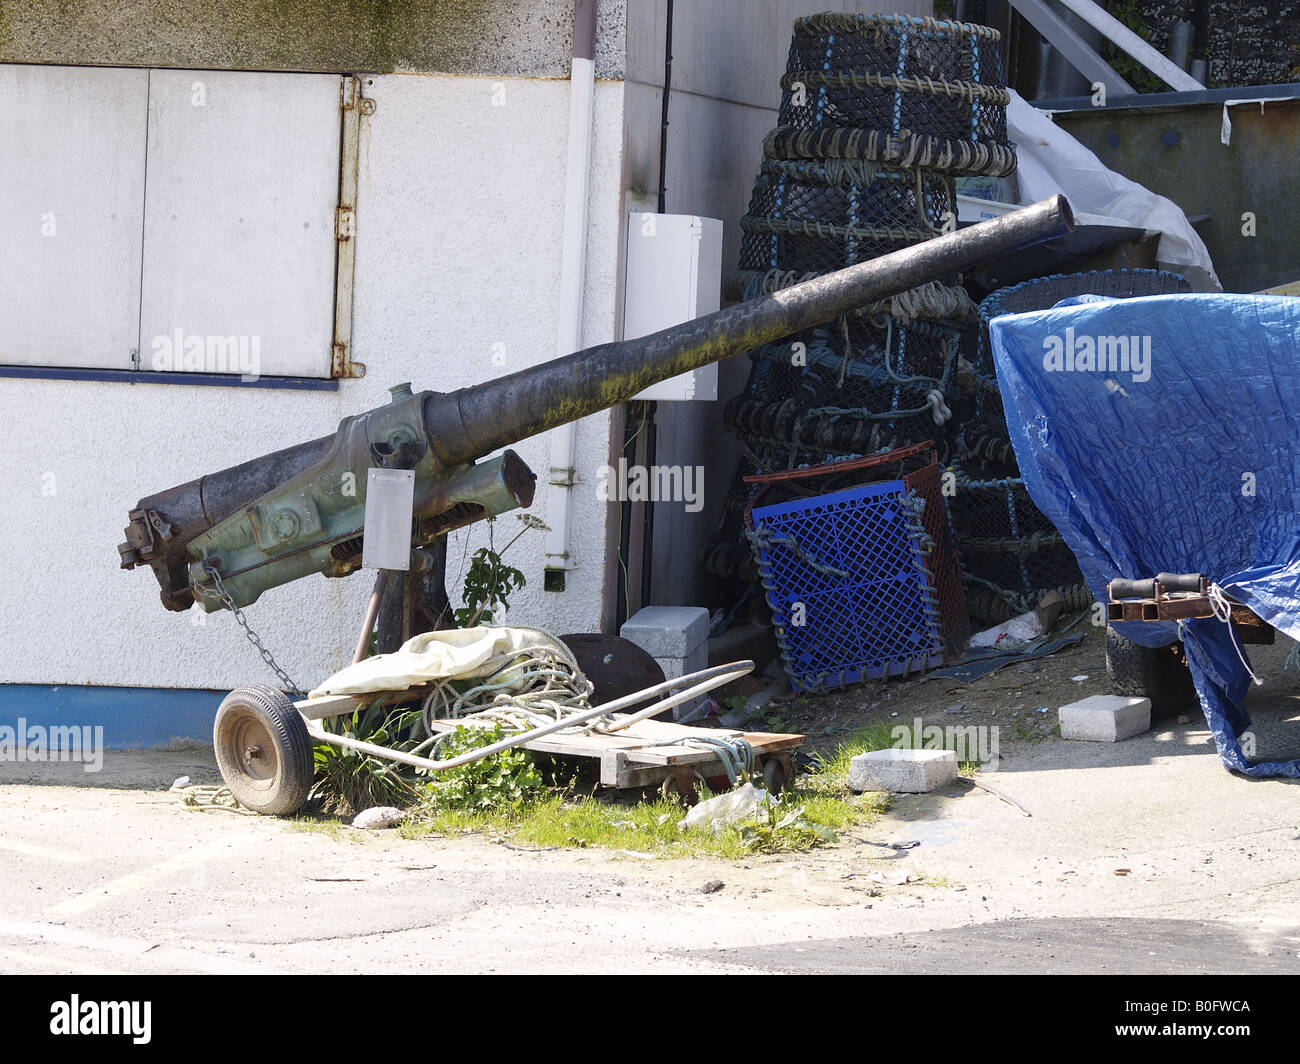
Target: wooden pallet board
[(639, 756), (646, 753)]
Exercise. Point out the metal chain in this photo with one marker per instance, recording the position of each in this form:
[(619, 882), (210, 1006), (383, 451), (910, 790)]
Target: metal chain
[(229, 603)]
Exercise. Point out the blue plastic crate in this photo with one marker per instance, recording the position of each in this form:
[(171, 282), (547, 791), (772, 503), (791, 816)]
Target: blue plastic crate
[(851, 566)]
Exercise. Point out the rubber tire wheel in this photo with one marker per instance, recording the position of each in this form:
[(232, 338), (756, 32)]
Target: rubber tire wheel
[(774, 775), (276, 778), (672, 785), (1157, 673)]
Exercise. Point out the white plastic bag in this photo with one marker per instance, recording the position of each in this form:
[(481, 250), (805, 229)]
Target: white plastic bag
[(741, 804)]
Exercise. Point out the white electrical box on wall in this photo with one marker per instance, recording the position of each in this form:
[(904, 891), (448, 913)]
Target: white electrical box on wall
[(674, 274)]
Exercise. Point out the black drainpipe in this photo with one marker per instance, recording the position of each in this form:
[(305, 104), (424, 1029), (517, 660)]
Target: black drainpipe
[(663, 128)]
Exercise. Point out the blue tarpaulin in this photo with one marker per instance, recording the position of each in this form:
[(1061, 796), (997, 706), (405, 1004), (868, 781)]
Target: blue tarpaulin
[(1161, 435)]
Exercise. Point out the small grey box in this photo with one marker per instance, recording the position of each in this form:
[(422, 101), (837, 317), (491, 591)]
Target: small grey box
[(1105, 718), (390, 506), (902, 770), (667, 631)]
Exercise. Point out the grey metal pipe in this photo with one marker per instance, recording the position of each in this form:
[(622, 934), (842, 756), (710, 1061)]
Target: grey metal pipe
[(1180, 43), (701, 682), (372, 614), (475, 421)]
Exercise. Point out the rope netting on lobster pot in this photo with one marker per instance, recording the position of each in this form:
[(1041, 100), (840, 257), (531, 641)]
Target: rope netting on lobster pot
[(815, 216), (898, 89), (879, 116), (843, 389), (1042, 293), (861, 385), (1010, 554)]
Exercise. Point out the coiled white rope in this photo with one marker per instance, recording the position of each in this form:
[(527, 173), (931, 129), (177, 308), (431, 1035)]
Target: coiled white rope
[(1223, 612), (535, 685), (542, 684), (938, 408)]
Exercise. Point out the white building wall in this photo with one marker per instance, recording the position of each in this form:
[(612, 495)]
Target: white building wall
[(728, 58), (474, 192), (458, 227)]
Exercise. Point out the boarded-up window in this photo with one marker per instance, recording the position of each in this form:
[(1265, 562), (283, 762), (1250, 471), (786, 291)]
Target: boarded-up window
[(168, 220)]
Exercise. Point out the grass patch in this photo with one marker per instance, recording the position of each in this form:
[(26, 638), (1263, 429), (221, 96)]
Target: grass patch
[(320, 825), (936, 881), (508, 798), (877, 736), (650, 827), (808, 814)]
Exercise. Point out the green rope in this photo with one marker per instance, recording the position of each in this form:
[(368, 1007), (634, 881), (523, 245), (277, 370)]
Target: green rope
[(735, 752), (969, 91), (905, 150), (764, 538), (827, 230), (994, 604), (212, 796), (885, 25), (1030, 544)]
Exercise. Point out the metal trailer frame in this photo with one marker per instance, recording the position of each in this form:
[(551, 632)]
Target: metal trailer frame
[(264, 740)]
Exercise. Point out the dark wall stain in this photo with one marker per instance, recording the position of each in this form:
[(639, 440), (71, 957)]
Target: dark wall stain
[(435, 36)]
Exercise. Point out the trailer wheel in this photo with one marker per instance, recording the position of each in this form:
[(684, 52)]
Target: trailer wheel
[(774, 775), (1157, 673), (685, 783), (263, 750)]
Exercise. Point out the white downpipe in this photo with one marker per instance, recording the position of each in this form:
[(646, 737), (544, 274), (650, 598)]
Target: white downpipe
[(573, 277)]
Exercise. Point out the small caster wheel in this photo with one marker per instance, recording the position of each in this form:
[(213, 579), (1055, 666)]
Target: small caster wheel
[(684, 784), (774, 775), (263, 750)]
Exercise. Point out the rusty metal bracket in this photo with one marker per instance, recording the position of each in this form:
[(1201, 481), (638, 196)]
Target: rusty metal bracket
[(1164, 605), (148, 528), (352, 106), (341, 366)]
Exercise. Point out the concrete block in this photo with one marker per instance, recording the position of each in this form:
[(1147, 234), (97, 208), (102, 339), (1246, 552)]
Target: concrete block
[(668, 631), (677, 637), (902, 771), (1105, 718), (696, 660), (693, 662)]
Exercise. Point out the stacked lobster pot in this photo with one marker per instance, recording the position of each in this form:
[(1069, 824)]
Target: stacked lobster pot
[(1011, 555), (879, 116)]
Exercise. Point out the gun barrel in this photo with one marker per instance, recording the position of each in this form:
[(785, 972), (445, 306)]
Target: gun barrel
[(475, 421), (463, 426)]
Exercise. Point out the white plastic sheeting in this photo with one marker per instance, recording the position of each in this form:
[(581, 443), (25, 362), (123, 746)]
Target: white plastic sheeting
[(1050, 161), (458, 653)]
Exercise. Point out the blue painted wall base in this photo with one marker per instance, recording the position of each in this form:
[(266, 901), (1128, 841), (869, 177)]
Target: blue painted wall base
[(130, 716)]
